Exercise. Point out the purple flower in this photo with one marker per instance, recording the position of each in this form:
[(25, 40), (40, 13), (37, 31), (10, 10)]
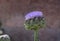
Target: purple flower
[(33, 14)]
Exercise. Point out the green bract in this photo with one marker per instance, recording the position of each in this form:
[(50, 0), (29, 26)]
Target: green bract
[(34, 23)]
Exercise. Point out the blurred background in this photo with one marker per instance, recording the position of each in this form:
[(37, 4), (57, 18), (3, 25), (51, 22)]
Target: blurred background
[(12, 14)]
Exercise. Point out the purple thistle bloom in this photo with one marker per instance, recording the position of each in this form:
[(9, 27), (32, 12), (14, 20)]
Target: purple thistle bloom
[(33, 14)]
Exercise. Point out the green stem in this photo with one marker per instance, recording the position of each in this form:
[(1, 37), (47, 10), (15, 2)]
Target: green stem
[(36, 35)]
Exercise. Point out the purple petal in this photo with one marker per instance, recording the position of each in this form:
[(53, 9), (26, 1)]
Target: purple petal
[(33, 14)]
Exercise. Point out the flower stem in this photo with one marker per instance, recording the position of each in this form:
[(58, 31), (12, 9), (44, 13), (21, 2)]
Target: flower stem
[(36, 35)]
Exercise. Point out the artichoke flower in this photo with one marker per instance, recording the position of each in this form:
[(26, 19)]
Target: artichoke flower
[(34, 21)]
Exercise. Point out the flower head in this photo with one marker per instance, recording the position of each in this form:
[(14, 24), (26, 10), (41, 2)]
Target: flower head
[(34, 20), (33, 14)]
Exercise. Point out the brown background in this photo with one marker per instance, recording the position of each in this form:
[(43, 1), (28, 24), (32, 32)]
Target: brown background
[(12, 14)]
